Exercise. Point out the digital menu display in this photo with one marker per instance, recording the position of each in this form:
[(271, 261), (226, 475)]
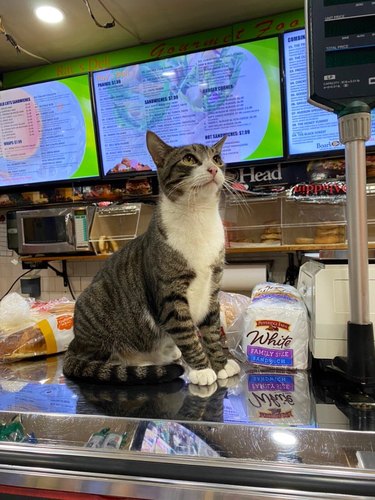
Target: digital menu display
[(47, 133), (310, 129), (192, 98)]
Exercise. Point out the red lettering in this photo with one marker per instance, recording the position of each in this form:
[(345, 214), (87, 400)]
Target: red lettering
[(158, 50), (171, 50), (264, 26), (183, 48), (294, 23), (239, 33), (196, 44), (280, 26), (227, 39), (211, 41)]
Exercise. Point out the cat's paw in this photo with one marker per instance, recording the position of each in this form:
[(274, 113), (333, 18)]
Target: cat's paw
[(229, 383), (202, 391), (202, 377), (230, 369)]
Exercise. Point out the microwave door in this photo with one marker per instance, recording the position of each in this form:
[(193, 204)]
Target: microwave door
[(47, 233)]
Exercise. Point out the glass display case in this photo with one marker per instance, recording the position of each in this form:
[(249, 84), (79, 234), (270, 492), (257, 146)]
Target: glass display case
[(313, 223), (278, 222), (253, 222), (258, 435), (115, 225)]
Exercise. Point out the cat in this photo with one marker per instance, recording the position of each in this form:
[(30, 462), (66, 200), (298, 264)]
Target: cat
[(142, 311)]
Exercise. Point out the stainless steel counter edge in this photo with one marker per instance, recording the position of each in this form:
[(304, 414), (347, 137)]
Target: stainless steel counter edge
[(146, 488), (20, 464)]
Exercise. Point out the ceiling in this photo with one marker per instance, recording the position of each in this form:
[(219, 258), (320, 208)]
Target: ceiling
[(138, 22)]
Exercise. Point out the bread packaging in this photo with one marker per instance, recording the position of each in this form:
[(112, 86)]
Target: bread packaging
[(275, 328), (34, 328), (279, 399), (232, 305)]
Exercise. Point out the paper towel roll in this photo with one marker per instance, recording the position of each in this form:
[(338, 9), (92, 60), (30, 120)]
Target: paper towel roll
[(243, 277)]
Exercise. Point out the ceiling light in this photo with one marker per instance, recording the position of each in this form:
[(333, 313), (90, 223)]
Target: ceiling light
[(49, 14)]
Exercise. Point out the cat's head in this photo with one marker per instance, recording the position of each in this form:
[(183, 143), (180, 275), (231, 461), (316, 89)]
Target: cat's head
[(185, 170)]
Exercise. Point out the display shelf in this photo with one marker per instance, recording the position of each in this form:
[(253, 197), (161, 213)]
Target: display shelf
[(280, 224), (68, 258), (229, 251)]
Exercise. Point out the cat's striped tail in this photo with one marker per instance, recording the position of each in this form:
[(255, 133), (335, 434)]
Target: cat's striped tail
[(76, 367)]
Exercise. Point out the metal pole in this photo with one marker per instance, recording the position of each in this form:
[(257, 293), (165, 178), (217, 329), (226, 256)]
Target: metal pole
[(354, 131), (355, 127), (357, 233)]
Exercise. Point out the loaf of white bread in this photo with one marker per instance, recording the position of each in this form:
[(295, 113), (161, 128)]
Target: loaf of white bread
[(275, 328), (46, 329)]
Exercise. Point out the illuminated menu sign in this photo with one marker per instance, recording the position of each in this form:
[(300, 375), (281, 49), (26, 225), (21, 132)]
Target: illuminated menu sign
[(310, 129), (47, 133), (192, 98)]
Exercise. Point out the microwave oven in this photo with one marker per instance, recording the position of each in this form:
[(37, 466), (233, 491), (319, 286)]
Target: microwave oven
[(54, 230)]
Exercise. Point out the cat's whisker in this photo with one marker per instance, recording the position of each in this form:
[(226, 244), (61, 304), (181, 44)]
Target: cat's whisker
[(234, 193), (180, 185), (192, 199), (198, 183), (238, 198)]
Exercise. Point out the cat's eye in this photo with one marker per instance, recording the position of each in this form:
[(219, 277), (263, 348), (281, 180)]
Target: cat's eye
[(190, 159), (217, 159)]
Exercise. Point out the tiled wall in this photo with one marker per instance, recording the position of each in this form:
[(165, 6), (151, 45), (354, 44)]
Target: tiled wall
[(80, 276)]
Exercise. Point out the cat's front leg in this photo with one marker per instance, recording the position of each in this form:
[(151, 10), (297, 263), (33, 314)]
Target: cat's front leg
[(177, 322)]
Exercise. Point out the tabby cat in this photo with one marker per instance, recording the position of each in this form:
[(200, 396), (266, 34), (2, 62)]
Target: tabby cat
[(157, 298)]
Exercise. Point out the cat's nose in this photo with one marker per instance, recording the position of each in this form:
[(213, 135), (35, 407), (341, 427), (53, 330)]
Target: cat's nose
[(213, 171)]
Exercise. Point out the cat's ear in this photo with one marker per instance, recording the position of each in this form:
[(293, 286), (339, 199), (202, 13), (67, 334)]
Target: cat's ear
[(219, 145), (157, 148)]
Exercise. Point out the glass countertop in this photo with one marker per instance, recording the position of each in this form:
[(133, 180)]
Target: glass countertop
[(307, 429), (305, 399)]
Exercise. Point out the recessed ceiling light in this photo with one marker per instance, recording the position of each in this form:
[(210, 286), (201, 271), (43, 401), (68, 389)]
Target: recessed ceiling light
[(49, 14)]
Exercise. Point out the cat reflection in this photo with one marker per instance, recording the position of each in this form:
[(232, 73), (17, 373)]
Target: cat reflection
[(172, 400)]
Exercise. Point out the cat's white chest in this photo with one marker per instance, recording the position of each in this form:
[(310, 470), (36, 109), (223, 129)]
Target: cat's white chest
[(199, 237)]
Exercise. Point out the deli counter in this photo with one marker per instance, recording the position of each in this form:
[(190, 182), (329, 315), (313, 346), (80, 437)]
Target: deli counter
[(261, 434)]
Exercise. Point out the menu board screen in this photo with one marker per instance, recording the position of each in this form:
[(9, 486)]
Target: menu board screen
[(199, 97), (310, 129), (47, 133)]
